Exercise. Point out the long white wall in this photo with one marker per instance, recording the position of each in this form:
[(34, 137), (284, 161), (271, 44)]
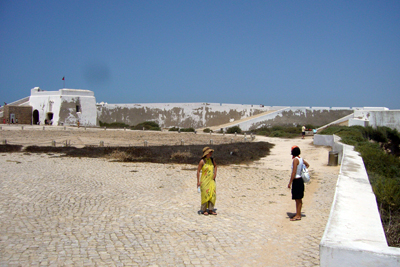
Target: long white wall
[(185, 115), (354, 235), (297, 116)]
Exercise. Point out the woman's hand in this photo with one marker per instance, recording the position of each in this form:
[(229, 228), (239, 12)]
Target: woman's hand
[(288, 186)]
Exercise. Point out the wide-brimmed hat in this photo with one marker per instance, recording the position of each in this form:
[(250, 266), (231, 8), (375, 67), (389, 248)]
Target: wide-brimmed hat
[(207, 150)]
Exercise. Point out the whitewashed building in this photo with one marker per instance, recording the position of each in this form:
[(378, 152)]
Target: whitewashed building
[(63, 107)]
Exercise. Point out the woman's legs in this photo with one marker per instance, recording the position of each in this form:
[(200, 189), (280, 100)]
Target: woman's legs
[(210, 207), (299, 204)]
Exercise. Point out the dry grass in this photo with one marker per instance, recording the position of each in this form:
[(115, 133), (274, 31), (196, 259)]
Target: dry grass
[(225, 154)]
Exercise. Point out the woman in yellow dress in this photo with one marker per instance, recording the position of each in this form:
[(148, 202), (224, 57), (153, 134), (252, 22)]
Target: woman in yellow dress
[(208, 169)]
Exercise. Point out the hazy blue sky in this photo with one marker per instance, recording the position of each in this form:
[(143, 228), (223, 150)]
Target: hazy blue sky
[(296, 53)]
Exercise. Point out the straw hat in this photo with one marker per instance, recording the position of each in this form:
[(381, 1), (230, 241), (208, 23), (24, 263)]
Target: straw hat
[(206, 150)]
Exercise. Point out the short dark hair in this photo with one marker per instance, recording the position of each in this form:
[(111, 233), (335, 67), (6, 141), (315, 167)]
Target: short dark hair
[(296, 151)]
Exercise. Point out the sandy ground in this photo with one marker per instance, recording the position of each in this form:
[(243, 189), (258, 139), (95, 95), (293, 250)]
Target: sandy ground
[(96, 212)]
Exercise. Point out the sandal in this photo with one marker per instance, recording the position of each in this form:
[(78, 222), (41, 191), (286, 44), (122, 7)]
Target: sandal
[(213, 213), (205, 213)]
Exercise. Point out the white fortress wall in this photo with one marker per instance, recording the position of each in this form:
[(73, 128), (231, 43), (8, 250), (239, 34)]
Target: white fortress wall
[(184, 115), (198, 115), (389, 118), (377, 117), (293, 116)]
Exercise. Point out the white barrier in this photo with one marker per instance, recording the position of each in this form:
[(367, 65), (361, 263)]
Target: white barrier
[(354, 235)]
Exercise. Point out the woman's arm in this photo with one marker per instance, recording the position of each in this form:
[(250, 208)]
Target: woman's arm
[(294, 170), (306, 163), (215, 169), (201, 163)]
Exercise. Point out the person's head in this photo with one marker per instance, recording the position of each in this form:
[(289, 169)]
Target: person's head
[(295, 151), (207, 152)]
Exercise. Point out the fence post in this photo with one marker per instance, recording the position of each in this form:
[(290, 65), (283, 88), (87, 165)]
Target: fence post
[(101, 143), (145, 142), (4, 142), (211, 141), (182, 142), (53, 143)]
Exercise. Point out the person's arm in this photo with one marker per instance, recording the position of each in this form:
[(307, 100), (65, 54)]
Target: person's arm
[(294, 170), (201, 163), (215, 169), (306, 163)]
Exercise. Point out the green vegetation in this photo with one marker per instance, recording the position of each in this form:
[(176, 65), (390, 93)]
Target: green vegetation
[(380, 150), (234, 129), (207, 130), (147, 125), (282, 131), (176, 129)]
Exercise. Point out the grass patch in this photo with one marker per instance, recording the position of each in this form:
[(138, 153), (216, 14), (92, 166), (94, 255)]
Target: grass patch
[(224, 154), (10, 148), (282, 131)]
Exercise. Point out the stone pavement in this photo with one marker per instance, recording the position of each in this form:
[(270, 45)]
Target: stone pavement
[(57, 211)]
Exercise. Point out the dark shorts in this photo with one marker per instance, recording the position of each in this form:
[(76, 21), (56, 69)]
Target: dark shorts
[(303, 133), (298, 189)]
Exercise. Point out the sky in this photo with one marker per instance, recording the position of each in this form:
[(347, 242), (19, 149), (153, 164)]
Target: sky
[(274, 53)]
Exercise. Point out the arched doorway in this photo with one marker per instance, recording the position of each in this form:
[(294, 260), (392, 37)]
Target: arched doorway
[(49, 118), (35, 116)]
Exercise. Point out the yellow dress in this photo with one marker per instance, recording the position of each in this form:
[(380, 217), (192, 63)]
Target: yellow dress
[(208, 186)]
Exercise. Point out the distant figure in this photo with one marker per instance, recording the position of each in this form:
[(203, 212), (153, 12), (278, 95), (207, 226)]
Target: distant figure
[(303, 131), (208, 169), (296, 182)]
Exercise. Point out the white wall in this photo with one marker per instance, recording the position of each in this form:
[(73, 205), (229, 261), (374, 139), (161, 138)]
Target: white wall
[(62, 104), (354, 235)]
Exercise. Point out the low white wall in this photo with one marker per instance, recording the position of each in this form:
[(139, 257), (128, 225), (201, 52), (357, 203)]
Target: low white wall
[(332, 141), (354, 235)]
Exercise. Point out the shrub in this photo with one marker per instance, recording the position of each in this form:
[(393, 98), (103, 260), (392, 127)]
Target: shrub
[(187, 130), (207, 130), (279, 131), (234, 129), (174, 129), (147, 125)]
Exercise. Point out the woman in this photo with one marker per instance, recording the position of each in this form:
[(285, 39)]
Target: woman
[(208, 169), (296, 182)]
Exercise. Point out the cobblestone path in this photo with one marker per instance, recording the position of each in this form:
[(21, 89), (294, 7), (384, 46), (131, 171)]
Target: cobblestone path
[(57, 211)]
